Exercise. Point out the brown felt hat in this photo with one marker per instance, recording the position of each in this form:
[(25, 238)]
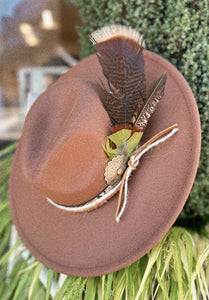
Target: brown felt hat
[(60, 156)]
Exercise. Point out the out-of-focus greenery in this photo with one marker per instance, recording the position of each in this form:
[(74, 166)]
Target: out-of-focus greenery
[(179, 31)]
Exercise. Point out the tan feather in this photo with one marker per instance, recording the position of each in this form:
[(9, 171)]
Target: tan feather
[(156, 94)]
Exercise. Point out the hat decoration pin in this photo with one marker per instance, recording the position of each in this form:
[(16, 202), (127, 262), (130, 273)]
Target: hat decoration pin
[(120, 54)]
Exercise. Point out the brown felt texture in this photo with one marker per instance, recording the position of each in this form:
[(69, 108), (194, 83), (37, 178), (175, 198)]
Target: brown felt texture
[(60, 156), (63, 135)]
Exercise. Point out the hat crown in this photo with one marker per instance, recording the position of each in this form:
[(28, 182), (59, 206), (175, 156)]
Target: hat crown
[(61, 145)]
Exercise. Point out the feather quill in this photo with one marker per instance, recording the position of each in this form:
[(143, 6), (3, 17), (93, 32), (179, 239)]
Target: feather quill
[(119, 50), (156, 94)]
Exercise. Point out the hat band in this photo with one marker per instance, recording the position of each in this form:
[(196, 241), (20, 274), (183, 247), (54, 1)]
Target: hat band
[(110, 191), (93, 203)]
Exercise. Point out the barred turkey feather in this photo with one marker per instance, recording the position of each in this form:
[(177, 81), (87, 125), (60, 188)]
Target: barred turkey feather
[(110, 100), (156, 94), (119, 49)]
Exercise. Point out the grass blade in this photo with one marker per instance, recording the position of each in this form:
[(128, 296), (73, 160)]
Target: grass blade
[(109, 286), (36, 274), (21, 286), (4, 258), (50, 275), (91, 287), (63, 289), (152, 259)]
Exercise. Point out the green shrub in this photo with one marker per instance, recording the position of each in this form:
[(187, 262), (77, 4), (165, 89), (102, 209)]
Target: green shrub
[(179, 31)]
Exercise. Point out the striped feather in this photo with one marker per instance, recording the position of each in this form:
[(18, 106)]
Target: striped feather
[(156, 94), (120, 55)]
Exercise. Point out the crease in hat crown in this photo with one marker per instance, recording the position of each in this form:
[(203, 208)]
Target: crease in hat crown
[(57, 157)]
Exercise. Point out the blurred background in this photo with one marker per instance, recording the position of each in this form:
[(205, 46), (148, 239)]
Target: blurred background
[(38, 42)]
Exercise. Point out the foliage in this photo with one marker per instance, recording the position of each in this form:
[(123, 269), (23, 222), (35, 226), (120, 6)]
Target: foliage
[(179, 33), (176, 268), (5, 223)]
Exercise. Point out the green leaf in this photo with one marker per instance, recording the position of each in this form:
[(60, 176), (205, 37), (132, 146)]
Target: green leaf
[(4, 258), (118, 284), (133, 141), (36, 274), (174, 290), (178, 266), (161, 274), (28, 268), (50, 275), (152, 259), (8, 289), (131, 275), (120, 289), (119, 138), (76, 289), (101, 288), (109, 286), (4, 205), (5, 220), (200, 270), (91, 286), (61, 293), (4, 240), (21, 286)]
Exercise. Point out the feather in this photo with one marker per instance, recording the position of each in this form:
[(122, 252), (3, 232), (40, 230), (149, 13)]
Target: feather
[(156, 94), (120, 56)]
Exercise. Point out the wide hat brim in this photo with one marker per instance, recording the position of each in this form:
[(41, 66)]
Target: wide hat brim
[(91, 243)]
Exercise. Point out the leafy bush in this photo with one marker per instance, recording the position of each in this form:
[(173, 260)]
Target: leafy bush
[(178, 31)]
